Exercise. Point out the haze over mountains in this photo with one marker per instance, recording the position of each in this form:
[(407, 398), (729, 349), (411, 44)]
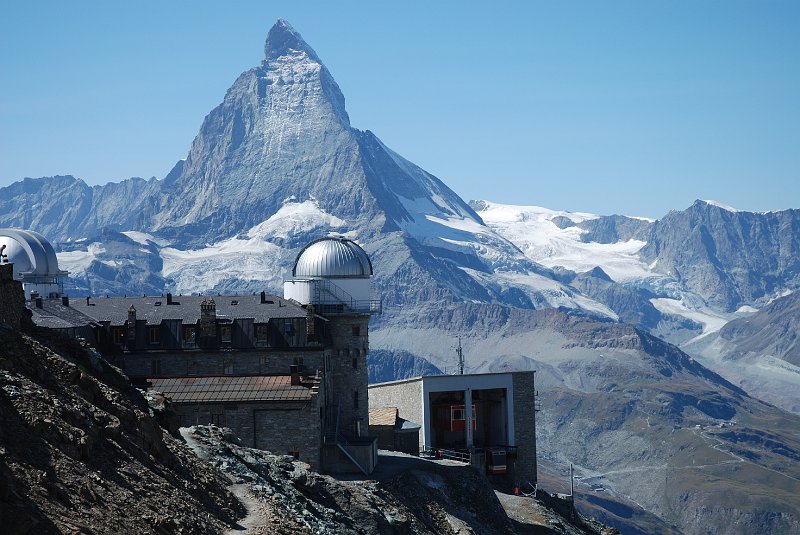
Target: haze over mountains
[(591, 302)]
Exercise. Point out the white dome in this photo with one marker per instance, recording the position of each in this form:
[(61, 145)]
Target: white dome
[(332, 258), (30, 252)]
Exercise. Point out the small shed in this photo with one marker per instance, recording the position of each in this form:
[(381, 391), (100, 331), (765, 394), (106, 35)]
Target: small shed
[(394, 433)]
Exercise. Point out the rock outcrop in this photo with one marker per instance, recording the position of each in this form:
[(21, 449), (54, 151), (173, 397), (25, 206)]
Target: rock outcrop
[(80, 452)]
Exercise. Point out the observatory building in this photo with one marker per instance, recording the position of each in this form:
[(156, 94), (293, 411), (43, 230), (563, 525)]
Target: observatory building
[(286, 374), (333, 275), (34, 262)]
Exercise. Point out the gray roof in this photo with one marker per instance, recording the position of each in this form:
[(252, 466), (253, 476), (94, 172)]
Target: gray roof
[(332, 257), (55, 315), (187, 308)]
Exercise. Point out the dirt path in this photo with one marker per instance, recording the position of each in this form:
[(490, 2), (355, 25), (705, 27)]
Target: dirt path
[(254, 523)]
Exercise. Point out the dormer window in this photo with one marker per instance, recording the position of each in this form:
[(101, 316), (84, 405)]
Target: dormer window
[(154, 334), (225, 333), (189, 334)]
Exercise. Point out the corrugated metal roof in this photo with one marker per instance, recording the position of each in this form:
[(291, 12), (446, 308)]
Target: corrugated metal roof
[(187, 308), (228, 388), (332, 257)]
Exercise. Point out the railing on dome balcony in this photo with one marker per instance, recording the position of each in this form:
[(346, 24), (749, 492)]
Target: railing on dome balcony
[(331, 299)]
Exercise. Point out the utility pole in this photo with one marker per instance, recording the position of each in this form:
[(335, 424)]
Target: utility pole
[(460, 354)]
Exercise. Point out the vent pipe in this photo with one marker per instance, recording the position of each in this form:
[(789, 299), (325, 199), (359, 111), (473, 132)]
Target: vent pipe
[(295, 373)]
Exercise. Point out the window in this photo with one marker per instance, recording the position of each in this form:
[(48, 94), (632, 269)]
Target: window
[(356, 330), (458, 416), (264, 363), (155, 366), (262, 333), (193, 367), (189, 334), (218, 418), (227, 364), (154, 334), (119, 336), (355, 399), (225, 333)]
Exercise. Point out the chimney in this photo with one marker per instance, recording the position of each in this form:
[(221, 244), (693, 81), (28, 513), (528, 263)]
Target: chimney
[(65, 300), (169, 298), (131, 324), (293, 371), (208, 318), (263, 297), (87, 300), (38, 301)]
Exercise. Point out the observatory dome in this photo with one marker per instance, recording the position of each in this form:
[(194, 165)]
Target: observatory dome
[(332, 257), (30, 252)]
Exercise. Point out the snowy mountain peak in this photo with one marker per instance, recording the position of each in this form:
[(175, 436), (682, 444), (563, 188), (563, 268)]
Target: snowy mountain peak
[(283, 38), (717, 204)]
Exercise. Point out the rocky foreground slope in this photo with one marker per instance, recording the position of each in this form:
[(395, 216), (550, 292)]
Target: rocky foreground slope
[(80, 453), (405, 495)]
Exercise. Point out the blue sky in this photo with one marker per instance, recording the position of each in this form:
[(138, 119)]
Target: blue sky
[(606, 107)]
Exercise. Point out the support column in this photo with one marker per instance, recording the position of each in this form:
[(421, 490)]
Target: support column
[(468, 416)]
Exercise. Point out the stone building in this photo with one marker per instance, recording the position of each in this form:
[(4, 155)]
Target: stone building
[(393, 432), (491, 413), (287, 374)]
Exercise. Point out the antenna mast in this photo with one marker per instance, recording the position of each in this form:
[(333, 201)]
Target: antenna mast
[(460, 354)]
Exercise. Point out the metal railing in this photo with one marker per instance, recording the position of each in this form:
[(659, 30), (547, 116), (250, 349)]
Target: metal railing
[(333, 435), (338, 301)]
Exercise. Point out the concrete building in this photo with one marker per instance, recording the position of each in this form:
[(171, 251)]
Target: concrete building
[(490, 413)]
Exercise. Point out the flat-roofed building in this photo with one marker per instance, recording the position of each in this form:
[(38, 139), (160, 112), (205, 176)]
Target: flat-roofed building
[(490, 412)]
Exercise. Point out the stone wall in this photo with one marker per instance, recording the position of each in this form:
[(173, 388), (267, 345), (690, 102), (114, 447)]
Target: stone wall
[(405, 395), (525, 426), (200, 362), (278, 427), (12, 298), (346, 375)]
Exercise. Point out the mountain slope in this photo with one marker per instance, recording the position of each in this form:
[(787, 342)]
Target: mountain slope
[(729, 258), (760, 353), (81, 454), (636, 416)]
